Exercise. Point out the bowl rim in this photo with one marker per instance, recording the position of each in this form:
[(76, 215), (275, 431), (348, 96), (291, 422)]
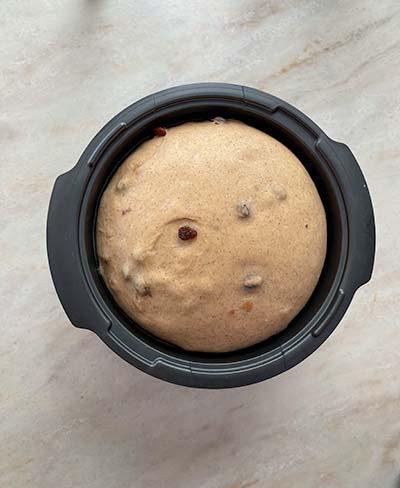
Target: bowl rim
[(69, 235)]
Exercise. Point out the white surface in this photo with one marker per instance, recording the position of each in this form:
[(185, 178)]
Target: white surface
[(72, 414)]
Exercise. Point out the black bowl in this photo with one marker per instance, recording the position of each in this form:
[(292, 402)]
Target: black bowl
[(72, 250)]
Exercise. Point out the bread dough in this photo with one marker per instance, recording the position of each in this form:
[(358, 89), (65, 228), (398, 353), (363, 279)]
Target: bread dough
[(260, 243)]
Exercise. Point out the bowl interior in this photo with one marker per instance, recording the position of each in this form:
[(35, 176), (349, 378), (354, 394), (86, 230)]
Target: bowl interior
[(319, 172)]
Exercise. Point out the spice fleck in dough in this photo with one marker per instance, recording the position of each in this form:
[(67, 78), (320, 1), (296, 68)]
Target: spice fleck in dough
[(224, 240)]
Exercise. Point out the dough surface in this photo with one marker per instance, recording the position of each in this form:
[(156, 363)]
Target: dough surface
[(260, 243)]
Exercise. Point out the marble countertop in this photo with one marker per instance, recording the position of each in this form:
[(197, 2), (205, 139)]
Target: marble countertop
[(72, 414)]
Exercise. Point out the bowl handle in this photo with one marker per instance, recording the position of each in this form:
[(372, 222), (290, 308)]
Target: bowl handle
[(64, 257), (361, 249)]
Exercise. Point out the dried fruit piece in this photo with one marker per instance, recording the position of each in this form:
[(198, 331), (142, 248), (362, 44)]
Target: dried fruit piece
[(243, 209), (138, 254), (218, 120), (278, 190), (185, 233), (246, 306), (160, 131), (126, 271), (252, 281), (122, 184), (147, 291), (141, 288)]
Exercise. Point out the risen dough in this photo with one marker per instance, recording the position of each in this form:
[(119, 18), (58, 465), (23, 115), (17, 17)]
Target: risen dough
[(260, 244)]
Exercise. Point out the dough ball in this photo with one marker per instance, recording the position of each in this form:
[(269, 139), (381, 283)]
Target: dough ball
[(211, 236)]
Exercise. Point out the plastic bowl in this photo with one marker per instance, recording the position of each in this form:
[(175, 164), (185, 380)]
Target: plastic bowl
[(72, 250)]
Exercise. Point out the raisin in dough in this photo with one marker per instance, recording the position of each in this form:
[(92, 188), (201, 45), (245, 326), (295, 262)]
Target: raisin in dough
[(260, 243)]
